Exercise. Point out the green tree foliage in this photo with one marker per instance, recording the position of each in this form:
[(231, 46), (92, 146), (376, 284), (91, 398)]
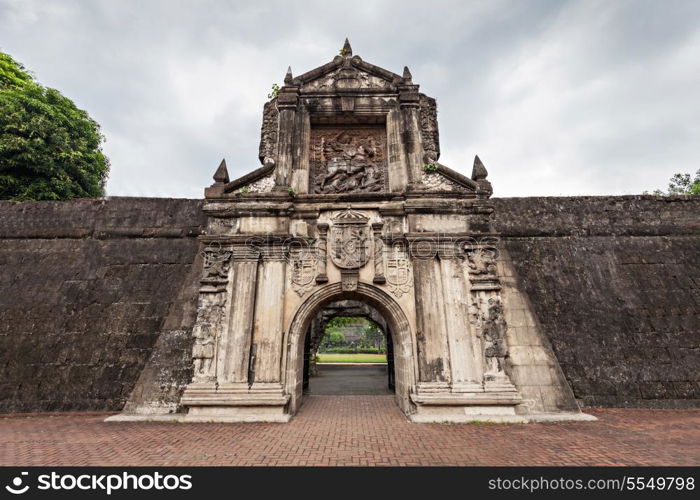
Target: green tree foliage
[(682, 184), (333, 338), (372, 336), (49, 149)]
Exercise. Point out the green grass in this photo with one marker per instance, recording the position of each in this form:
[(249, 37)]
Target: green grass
[(351, 358)]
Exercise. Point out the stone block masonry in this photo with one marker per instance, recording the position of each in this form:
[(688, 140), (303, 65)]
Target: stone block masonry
[(87, 289), (98, 298), (615, 284)]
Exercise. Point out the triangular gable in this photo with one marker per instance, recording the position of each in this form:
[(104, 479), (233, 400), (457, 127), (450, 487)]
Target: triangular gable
[(347, 73), (445, 179)]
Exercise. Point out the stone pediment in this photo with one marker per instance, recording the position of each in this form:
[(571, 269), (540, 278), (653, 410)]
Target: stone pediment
[(438, 182), (443, 179), (450, 180), (347, 73), (349, 127), (260, 180), (347, 78)]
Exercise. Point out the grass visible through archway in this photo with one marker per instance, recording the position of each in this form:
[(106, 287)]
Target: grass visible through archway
[(352, 339), (350, 358)]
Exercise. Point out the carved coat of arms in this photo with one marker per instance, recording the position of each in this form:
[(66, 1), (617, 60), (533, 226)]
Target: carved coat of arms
[(303, 270), (349, 238), (398, 272)]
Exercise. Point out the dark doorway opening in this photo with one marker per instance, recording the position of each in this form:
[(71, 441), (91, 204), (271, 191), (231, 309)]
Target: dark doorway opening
[(348, 350)]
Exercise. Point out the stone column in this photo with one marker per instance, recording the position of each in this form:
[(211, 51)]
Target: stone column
[(286, 104), (268, 331), (379, 277), (396, 166), (235, 354), (302, 138), (491, 396), (410, 131), (465, 362), (322, 253), (433, 351), (254, 292)]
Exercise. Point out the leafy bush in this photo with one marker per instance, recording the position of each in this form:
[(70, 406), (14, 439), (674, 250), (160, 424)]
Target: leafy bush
[(430, 168), (351, 350), (274, 92)]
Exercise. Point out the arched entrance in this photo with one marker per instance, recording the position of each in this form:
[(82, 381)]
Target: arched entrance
[(397, 324), (361, 329)]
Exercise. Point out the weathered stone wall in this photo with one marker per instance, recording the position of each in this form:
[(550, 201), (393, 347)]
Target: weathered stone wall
[(615, 283), (97, 298), (86, 289)]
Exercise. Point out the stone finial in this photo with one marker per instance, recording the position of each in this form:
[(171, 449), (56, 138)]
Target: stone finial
[(479, 171), (346, 51), (288, 77), (221, 174), (407, 77)]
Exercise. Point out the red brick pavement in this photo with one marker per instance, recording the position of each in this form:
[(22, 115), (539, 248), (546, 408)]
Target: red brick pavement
[(355, 430)]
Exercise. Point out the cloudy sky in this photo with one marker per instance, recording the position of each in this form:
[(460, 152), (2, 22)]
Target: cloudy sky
[(556, 97)]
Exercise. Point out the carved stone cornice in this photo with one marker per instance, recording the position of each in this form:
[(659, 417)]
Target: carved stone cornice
[(274, 253), (485, 284), (288, 98), (409, 96), (248, 239), (462, 237), (245, 254)]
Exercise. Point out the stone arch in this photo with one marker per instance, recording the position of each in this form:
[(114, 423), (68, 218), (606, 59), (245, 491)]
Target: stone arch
[(397, 322)]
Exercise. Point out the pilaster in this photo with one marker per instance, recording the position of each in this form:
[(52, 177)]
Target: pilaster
[(287, 102)]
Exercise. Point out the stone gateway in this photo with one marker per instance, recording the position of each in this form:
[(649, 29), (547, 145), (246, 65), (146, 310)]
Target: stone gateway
[(351, 206)]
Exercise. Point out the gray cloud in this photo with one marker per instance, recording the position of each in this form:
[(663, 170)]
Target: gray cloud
[(592, 97)]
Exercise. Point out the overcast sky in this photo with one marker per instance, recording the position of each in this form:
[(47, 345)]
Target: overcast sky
[(557, 98)]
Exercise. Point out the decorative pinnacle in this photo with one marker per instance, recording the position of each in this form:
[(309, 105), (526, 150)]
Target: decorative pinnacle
[(408, 78), (288, 77), (346, 51), (221, 174), (479, 171)]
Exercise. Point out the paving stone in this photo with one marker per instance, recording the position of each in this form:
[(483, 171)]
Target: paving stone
[(354, 431)]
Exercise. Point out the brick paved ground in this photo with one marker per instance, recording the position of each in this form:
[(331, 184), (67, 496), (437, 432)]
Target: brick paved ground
[(355, 430)]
